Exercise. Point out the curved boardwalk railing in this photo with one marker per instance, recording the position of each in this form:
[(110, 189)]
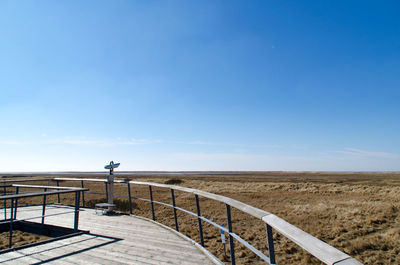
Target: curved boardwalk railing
[(319, 249)]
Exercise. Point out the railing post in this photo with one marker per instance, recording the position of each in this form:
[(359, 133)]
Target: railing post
[(16, 202), (58, 195), (231, 244), (5, 202), (270, 244), (83, 195), (130, 198), (76, 215), (152, 204), (199, 220), (44, 206), (11, 224), (173, 204)]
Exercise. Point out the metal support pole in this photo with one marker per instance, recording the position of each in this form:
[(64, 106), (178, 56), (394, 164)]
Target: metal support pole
[(11, 224), (5, 203), (16, 203), (231, 245), (58, 195), (44, 206), (83, 195), (76, 215), (173, 204), (106, 190), (199, 220), (130, 198), (270, 245), (152, 203), (110, 195)]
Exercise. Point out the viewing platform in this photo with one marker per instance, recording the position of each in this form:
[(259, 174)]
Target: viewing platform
[(80, 236), (114, 239)]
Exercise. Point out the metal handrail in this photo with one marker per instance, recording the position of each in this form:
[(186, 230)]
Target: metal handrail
[(23, 180), (14, 204), (45, 187), (319, 249), (34, 194)]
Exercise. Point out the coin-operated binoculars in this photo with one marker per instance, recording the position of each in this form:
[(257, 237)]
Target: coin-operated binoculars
[(110, 183)]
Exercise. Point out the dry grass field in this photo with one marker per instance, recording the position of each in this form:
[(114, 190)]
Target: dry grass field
[(19, 238), (358, 213)]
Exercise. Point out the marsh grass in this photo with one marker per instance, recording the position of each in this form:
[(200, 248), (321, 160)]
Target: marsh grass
[(19, 238)]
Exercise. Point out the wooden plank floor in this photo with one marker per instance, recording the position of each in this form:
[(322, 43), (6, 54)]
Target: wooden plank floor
[(112, 240)]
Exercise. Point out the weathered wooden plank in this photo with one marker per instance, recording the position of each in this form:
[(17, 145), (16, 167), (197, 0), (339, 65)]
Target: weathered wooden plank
[(349, 261), (80, 179), (70, 250), (14, 257), (33, 194), (316, 247), (127, 255), (60, 251), (140, 235), (24, 180), (153, 235), (117, 239), (72, 253), (46, 256), (44, 187), (158, 247)]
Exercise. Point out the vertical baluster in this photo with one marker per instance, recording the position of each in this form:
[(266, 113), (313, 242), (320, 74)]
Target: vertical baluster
[(5, 202), (270, 244), (58, 195), (231, 244), (130, 197), (76, 213), (16, 203), (173, 204), (83, 195), (152, 204), (44, 206), (11, 224), (199, 220)]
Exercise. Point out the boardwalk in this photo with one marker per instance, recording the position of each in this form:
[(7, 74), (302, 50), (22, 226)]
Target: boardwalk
[(112, 240)]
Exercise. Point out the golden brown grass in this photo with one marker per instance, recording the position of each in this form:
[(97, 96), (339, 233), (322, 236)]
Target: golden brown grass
[(19, 238), (358, 213)]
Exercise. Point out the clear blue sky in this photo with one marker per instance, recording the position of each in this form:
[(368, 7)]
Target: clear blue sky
[(200, 85)]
